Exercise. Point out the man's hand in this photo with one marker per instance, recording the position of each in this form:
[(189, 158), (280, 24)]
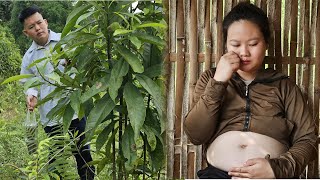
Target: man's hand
[(229, 63), (254, 169), (31, 102)]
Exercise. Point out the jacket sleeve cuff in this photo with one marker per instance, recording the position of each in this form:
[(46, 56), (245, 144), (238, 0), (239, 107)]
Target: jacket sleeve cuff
[(215, 89), (279, 168)]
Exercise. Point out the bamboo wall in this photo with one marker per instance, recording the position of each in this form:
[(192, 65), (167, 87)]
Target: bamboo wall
[(195, 44)]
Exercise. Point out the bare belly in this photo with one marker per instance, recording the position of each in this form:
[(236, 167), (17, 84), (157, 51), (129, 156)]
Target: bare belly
[(233, 148)]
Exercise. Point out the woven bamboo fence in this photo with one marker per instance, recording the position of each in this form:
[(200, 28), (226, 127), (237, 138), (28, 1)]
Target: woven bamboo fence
[(195, 43)]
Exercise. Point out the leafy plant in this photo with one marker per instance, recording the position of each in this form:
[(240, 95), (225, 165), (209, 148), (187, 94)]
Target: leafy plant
[(113, 76), (10, 58)]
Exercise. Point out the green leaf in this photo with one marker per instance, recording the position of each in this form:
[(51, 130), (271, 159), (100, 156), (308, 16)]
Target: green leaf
[(152, 141), (99, 86), (135, 41), (16, 78), (114, 26), (153, 25), (103, 136), (131, 58), (58, 109), (50, 96), (75, 101), (135, 106), (153, 71), (119, 70), (67, 118), (32, 82), (101, 110), (85, 56), (72, 18), (121, 31), (129, 147), (157, 156), (75, 39), (53, 76), (150, 39), (153, 89)]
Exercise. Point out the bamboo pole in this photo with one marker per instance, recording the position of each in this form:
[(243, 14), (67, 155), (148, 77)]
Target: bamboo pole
[(286, 34), (170, 92), (271, 6), (313, 26), (201, 34), (227, 6), (214, 32), (193, 47), (317, 84), (300, 41), (306, 52), (317, 66), (293, 40), (312, 54), (277, 35), (180, 88), (264, 5), (220, 42), (258, 3), (207, 36)]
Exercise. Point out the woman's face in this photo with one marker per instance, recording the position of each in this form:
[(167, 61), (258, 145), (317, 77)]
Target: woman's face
[(246, 39)]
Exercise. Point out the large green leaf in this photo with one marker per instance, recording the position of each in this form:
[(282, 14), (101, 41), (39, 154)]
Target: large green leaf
[(153, 89), (67, 118), (101, 110), (119, 70), (151, 137), (154, 25), (145, 37), (55, 93), (153, 71), (103, 136), (131, 58), (84, 56), (16, 78), (57, 111), (135, 106), (75, 39), (121, 32), (75, 101), (99, 86), (72, 18), (157, 156), (129, 147)]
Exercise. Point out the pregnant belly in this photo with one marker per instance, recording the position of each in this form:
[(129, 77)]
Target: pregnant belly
[(234, 148)]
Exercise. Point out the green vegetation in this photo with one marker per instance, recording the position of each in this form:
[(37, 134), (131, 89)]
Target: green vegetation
[(115, 54)]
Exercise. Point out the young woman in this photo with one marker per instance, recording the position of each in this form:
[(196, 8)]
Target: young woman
[(253, 122)]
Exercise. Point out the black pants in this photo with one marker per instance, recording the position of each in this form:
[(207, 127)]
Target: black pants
[(212, 172), (81, 153)]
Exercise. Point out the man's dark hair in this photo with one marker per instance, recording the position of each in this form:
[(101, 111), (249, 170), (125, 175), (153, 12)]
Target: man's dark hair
[(27, 12), (249, 12)]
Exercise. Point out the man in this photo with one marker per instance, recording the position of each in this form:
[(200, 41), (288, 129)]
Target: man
[(36, 28)]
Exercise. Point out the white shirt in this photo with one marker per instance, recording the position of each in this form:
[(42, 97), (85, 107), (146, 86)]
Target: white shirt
[(36, 52)]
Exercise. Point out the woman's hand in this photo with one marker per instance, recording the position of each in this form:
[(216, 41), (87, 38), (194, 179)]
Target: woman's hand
[(254, 169), (229, 63)]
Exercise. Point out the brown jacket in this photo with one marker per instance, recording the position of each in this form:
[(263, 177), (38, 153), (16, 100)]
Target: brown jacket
[(271, 105)]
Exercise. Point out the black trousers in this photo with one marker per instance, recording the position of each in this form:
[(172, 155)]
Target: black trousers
[(212, 172), (81, 153)]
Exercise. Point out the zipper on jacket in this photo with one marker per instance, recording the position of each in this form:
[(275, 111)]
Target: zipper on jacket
[(247, 117)]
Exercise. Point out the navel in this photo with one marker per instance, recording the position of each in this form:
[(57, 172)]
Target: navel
[(243, 146)]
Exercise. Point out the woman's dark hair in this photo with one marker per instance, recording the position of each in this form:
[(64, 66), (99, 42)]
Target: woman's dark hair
[(249, 12), (27, 12)]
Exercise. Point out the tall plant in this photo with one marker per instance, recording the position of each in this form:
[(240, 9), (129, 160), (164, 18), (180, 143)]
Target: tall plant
[(113, 76)]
